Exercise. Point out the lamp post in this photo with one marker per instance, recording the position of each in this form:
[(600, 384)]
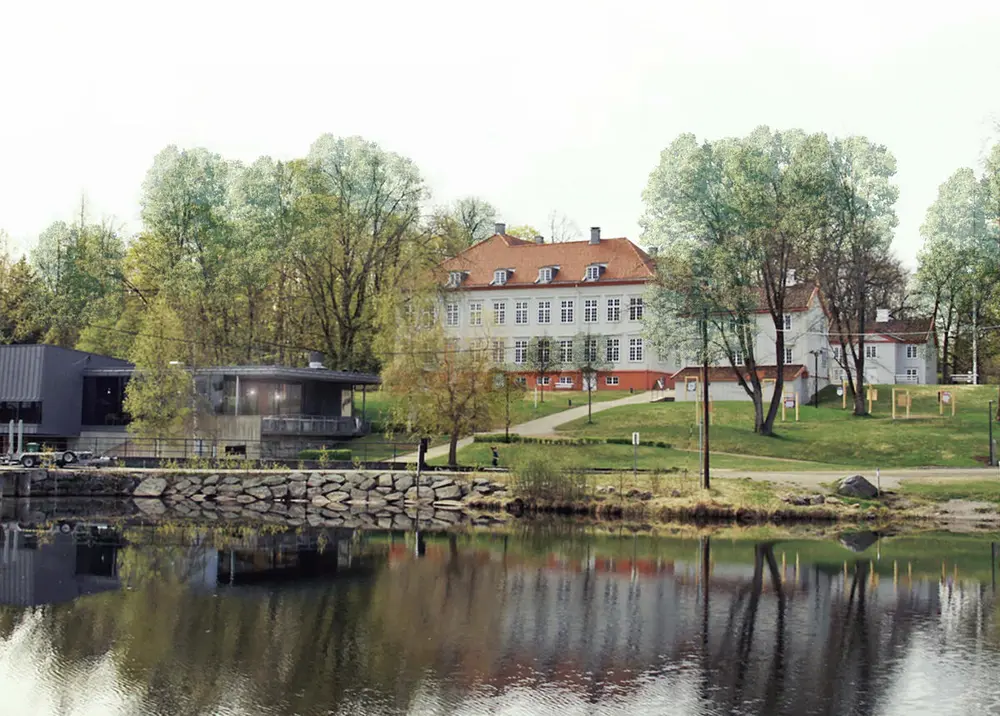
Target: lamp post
[(816, 354), (704, 403)]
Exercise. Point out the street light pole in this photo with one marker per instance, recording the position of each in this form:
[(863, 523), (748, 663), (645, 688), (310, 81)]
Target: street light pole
[(704, 402), (815, 378), (991, 452)]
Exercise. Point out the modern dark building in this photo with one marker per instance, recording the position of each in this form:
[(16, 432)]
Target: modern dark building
[(72, 399)]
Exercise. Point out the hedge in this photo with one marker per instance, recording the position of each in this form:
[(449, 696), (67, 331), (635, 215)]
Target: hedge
[(530, 440), (335, 455)]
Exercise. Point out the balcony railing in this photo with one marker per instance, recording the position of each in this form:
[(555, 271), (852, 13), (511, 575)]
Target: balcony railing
[(312, 425), (911, 379)]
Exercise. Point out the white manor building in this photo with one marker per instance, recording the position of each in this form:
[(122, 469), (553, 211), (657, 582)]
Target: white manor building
[(896, 351), (505, 291)]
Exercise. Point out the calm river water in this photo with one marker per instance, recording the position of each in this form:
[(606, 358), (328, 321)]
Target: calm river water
[(161, 620)]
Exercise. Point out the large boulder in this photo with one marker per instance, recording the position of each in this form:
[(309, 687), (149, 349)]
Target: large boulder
[(856, 486), (150, 487), (858, 541)]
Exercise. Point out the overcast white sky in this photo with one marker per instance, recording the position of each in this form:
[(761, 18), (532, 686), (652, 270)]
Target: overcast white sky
[(535, 105)]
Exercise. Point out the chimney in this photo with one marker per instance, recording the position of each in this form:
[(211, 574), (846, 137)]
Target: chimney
[(315, 360), (595, 234), (882, 315), (539, 239), (499, 228)]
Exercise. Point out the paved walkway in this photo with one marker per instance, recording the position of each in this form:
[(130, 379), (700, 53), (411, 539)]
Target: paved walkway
[(548, 424), (890, 479)]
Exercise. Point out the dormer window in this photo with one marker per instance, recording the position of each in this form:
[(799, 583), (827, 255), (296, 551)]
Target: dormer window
[(545, 274), (455, 278), (500, 277), (593, 272)]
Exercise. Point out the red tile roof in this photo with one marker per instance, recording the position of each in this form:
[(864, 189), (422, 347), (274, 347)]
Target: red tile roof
[(722, 374), (622, 260), (898, 330)]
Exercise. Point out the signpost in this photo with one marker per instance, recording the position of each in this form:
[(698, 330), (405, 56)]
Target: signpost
[(788, 401), (946, 397), (872, 395), (635, 456), (842, 392), (902, 399)]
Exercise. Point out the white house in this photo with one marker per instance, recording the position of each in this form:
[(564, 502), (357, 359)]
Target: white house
[(806, 360), (896, 351), (505, 291)]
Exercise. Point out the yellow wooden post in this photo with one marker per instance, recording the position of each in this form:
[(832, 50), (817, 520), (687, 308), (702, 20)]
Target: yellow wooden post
[(870, 393), (843, 385), (796, 407), (954, 402), (940, 402), (909, 402), (893, 404), (782, 408)]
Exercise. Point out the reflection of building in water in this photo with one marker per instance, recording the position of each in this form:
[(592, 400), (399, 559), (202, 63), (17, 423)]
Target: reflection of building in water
[(53, 568), (271, 559)]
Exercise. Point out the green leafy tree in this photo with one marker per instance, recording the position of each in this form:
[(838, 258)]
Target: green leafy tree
[(543, 361), (160, 396), (441, 387), (742, 212), (854, 264), (590, 358), (23, 302)]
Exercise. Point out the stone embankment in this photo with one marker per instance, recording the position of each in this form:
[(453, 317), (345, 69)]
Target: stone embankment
[(388, 491)]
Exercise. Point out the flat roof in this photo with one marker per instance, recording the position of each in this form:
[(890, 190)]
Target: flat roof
[(275, 372)]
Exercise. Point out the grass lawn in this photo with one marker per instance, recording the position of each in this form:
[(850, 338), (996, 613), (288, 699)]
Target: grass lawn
[(379, 404), (620, 457), (978, 490), (826, 434)]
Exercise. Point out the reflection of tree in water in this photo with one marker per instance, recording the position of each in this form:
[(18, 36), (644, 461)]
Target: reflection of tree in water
[(457, 617), (763, 665)]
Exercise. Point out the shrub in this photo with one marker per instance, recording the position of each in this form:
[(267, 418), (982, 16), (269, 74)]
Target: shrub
[(535, 475), (325, 455)]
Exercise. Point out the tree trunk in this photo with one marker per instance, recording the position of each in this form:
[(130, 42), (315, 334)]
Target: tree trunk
[(589, 403), (453, 450)]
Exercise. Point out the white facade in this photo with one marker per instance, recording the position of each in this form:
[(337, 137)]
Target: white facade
[(892, 356), (506, 319)]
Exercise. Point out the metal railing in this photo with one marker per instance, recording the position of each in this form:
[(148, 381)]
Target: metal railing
[(910, 379), (312, 425)]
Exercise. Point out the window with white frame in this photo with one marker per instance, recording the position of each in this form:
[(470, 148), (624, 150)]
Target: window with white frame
[(455, 278), (545, 311), (500, 277), (566, 307), (477, 346), (635, 349), (520, 352), (911, 352), (593, 273), (499, 352), (635, 308), (451, 314), (789, 354), (611, 380), (871, 351), (544, 380), (565, 381), (590, 310), (739, 358), (590, 350), (476, 313), (836, 352), (614, 310), (521, 313), (566, 351), (545, 274), (544, 351), (911, 373), (613, 350), (787, 323), (499, 312)]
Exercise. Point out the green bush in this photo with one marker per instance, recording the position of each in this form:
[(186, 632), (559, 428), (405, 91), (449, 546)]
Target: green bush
[(535, 475), (325, 455), (496, 438)]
